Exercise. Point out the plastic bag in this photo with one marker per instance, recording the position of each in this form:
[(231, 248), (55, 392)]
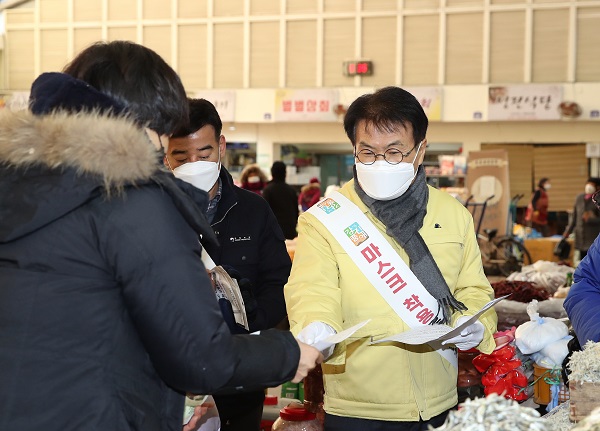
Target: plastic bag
[(544, 274), (533, 336), (511, 386), (553, 354)]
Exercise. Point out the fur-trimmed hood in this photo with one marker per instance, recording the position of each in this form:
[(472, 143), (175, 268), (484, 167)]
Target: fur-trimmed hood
[(54, 163), (113, 148)]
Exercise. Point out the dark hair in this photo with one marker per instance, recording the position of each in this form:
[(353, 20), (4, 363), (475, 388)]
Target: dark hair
[(388, 109), (202, 113), (542, 181), (278, 170), (137, 78), (594, 180)]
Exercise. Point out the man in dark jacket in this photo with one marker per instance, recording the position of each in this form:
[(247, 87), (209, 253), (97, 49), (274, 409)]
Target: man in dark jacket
[(283, 200), (585, 221), (107, 316), (251, 244)]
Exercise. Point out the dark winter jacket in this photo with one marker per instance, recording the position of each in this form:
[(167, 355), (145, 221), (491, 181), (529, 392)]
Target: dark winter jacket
[(283, 200), (252, 243), (106, 312), (583, 301), (585, 231)]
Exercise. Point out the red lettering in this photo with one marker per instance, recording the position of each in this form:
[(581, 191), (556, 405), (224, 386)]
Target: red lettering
[(371, 252), (425, 315), (413, 302), (394, 280)]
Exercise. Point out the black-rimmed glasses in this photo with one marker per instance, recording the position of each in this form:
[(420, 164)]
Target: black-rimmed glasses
[(392, 155)]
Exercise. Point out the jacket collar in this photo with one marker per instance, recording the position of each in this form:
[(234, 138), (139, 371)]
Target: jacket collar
[(229, 197)]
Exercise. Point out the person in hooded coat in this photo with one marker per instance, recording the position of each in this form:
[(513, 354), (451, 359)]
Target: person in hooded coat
[(309, 194), (107, 315)]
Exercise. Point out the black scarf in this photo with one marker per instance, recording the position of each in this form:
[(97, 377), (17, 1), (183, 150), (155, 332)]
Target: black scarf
[(403, 217)]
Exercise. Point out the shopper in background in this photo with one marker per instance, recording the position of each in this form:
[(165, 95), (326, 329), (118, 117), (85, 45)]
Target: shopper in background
[(351, 264), (283, 200), (251, 244), (536, 214), (107, 314), (253, 178), (583, 300), (585, 221), (309, 194)]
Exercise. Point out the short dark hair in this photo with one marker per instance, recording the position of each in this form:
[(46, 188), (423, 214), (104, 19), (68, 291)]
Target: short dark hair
[(387, 109), (542, 181), (594, 180), (202, 113), (137, 78), (278, 170)]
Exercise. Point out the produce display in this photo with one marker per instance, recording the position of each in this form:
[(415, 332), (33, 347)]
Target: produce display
[(520, 291), (502, 373)]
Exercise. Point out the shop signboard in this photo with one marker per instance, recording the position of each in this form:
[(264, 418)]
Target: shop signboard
[(224, 102), (312, 105), (487, 175), (430, 99), (524, 102)]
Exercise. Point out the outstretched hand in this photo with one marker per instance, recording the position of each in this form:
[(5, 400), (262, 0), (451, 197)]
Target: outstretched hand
[(199, 411), (309, 359)]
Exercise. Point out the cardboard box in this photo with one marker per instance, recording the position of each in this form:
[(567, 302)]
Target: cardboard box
[(543, 249), (584, 397)]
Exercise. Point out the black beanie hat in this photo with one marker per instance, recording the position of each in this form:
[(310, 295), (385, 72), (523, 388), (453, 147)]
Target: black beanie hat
[(58, 91)]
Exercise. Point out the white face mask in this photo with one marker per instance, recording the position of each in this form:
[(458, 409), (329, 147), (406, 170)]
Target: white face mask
[(201, 174), (589, 189), (383, 181), (547, 186), (254, 179)]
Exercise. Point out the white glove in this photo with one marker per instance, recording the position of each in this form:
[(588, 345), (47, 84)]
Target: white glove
[(469, 337), (315, 332)]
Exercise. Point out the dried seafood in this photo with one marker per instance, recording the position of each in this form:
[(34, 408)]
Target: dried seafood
[(493, 413), (585, 365)]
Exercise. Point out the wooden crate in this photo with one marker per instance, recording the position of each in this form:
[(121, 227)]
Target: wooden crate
[(584, 397)]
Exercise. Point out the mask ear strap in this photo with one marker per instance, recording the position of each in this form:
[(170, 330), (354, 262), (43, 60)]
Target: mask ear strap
[(219, 152), (168, 163), (417, 156), (164, 156)]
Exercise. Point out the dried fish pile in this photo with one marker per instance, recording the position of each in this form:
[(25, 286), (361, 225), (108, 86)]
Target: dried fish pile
[(585, 365), (558, 418), (493, 413)]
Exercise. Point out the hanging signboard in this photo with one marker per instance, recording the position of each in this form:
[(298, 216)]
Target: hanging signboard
[(223, 100), (487, 177), (430, 99), (306, 105), (524, 102)]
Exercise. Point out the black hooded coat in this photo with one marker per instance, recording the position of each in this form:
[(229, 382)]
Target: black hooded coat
[(107, 315)]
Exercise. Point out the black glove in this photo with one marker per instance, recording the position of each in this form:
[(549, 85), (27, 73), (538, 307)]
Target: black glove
[(250, 303), (228, 316), (573, 346)]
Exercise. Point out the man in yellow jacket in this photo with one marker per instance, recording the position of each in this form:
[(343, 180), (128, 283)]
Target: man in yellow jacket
[(400, 253)]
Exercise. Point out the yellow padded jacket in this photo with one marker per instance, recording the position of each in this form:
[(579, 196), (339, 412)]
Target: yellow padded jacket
[(389, 381)]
